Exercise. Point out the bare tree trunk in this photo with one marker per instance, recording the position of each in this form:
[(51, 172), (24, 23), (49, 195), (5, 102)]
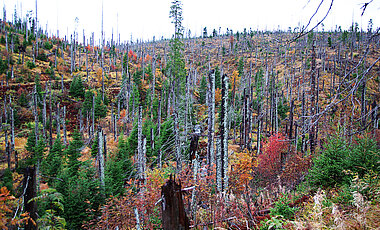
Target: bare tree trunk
[(101, 156), (51, 118), (259, 125), (58, 120), (62, 85), (363, 104), (55, 58), (64, 126), (154, 81), (30, 206), (159, 131), (224, 134), (115, 133), (138, 224), (44, 114), (140, 147), (177, 142), (12, 131), (193, 205), (312, 100), (219, 160), (102, 64), (7, 149), (93, 115), (172, 209), (211, 119), (290, 132), (87, 65), (36, 22)]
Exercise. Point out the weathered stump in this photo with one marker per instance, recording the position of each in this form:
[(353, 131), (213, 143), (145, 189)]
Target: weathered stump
[(172, 208), (30, 193)]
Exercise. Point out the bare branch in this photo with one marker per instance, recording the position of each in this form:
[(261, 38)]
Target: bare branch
[(303, 33)]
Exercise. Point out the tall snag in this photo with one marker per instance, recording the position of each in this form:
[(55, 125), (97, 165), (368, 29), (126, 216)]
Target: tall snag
[(312, 99), (222, 145), (211, 118)]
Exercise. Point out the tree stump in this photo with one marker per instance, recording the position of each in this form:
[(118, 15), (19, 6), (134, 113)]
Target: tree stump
[(172, 208), (30, 192)]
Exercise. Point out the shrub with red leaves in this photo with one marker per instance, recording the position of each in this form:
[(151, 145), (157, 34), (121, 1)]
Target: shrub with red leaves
[(132, 55), (270, 159)]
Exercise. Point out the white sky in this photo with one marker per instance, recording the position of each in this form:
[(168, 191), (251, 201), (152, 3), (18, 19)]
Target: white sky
[(143, 19)]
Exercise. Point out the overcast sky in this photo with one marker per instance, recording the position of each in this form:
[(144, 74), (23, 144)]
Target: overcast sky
[(143, 19)]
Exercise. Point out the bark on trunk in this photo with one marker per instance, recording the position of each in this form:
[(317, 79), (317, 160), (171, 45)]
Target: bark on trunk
[(172, 209), (140, 147), (177, 141), (64, 126), (30, 192), (101, 156), (312, 99), (224, 134), (211, 119)]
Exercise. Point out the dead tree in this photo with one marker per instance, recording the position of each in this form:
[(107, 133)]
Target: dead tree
[(12, 132), (50, 117), (222, 158), (44, 113), (172, 208), (312, 100), (140, 147), (30, 206), (194, 143), (177, 141), (64, 126), (101, 156), (159, 131), (211, 118)]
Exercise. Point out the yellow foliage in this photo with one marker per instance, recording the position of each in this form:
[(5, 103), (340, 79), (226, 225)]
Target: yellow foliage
[(99, 73), (158, 74), (234, 79), (218, 96), (243, 164), (20, 143), (196, 93)]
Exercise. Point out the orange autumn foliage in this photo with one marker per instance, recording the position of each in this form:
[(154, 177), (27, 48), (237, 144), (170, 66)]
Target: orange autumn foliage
[(6, 212), (132, 55), (122, 114), (89, 48), (148, 58), (243, 164), (218, 96), (235, 79), (5, 209)]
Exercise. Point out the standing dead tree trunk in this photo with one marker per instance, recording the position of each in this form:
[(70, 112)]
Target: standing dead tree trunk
[(177, 141), (64, 126), (211, 119), (101, 156), (50, 118), (12, 147), (312, 99), (172, 208), (222, 158), (30, 192), (140, 147)]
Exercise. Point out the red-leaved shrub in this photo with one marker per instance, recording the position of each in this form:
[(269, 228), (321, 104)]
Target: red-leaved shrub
[(269, 166)]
